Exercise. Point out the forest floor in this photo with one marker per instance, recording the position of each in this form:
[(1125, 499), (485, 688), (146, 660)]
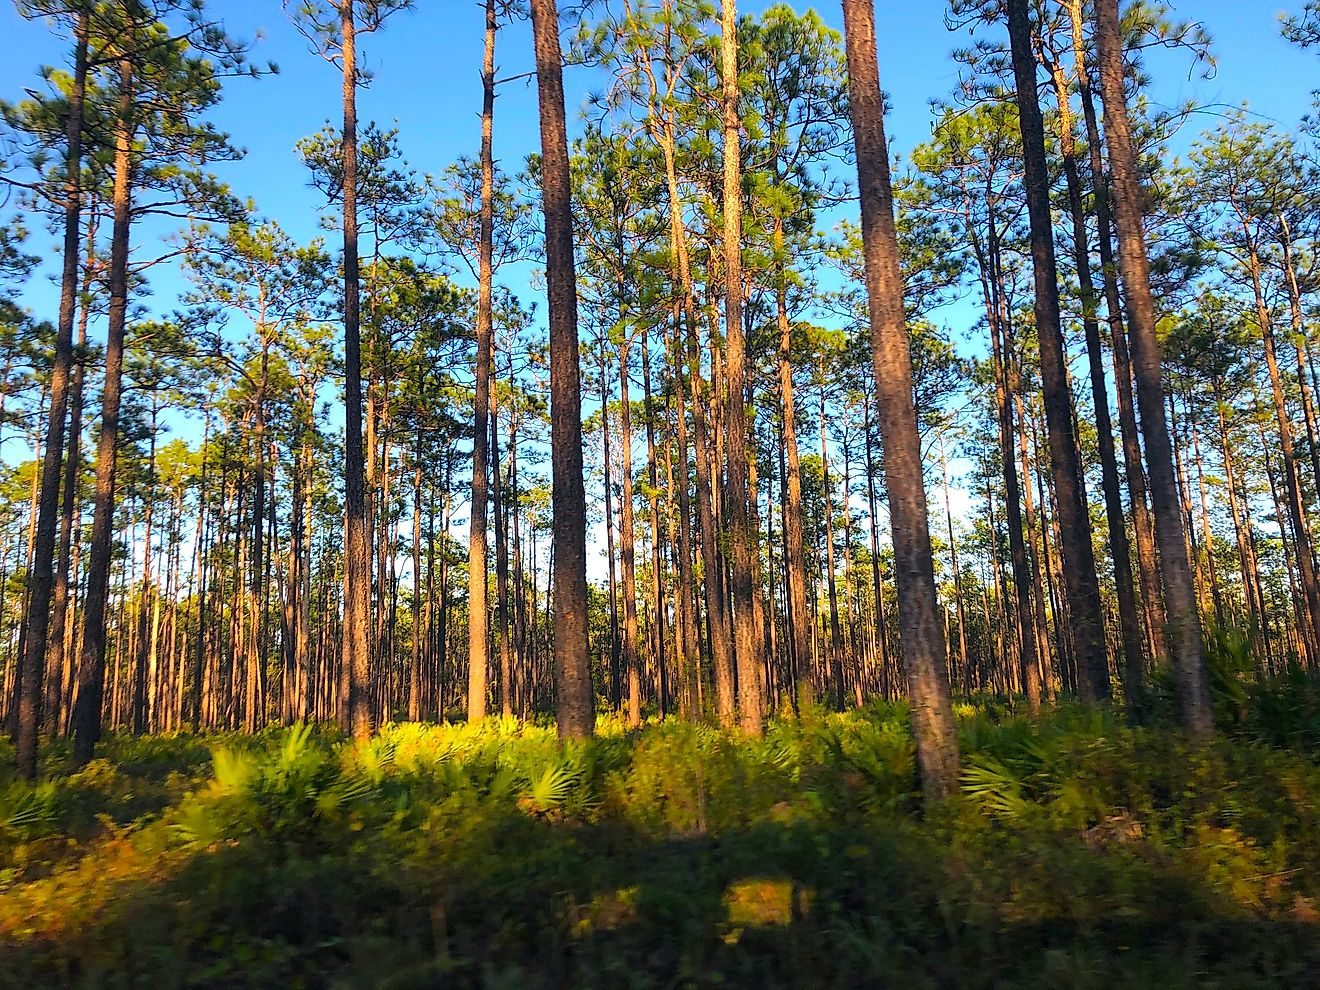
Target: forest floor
[(1080, 853)]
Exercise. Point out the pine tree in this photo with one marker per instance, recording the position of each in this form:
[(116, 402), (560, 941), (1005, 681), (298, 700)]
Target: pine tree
[(921, 631), (575, 703)]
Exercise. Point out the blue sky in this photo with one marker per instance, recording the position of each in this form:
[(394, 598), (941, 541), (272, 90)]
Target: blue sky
[(426, 65)]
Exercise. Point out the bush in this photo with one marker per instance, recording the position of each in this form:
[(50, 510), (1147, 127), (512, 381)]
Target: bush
[(1082, 852)]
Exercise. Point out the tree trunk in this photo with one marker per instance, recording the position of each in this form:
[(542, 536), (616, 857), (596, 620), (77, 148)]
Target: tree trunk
[(357, 551), (1083, 586), (795, 554), (478, 618), (1180, 597), (415, 678), (1143, 528), (91, 674), (1309, 628), (957, 573), (1251, 591), (924, 654), (1029, 658), (304, 656), (688, 638), (615, 677), (576, 704), (1211, 568), (61, 629), (712, 559), (37, 620), (1133, 657), (1299, 337), (628, 536), (737, 508), (145, 599), (877, 581), (657, 561), (201, 668), (833, 674), (500, 519), (1043, 587)]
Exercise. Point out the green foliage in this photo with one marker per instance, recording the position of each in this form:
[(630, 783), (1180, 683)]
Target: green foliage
[(1232, 668), (551, 790), (1081, 852), (1284, 710), (1303, 28), (28, 812), (1279, 709)]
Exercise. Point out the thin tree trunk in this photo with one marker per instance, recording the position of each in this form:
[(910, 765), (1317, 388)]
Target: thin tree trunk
[(957, 572), (717, 627), (1299, 337), (1211, 567), (737, 508), (1133, 652), (795, 554), (415, 671), (1083, 586), (91, 674), (201, 668), (357, 550), (877, 581), (37, 620), (615, 677), (500, 517), (1251, 593), (63, 655), (688, 638), (145, 598), (653, 501), (478, 618), (1143, 527), (576, 704), (1043, 587), (1180, 597), (1310, 625), (1029, 658), (305, 657), (833, 675), (1287, 542), (628, 536), (712, 559)]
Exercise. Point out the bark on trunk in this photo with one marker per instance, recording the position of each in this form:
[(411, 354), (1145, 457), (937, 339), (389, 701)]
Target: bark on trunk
[(1080, 580), (1180, 596), (924, 654), (91, 674), (357, 550), (737, 509), (1133, 655), (576, 703), (478, 619), (42, 580), (630, 631)]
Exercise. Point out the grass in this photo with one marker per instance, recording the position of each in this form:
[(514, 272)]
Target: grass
[(1081, 853)]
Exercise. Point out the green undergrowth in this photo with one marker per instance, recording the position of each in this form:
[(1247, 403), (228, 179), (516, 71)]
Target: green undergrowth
[(1080, 853)]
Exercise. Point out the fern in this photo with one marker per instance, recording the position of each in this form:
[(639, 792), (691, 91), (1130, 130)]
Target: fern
[(295, 745), (995, 789), (29, 812), (200, 823), (551, 790), (345, 791)]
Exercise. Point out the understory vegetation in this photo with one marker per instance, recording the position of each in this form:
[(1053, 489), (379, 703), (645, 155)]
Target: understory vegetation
[(1080, 852)]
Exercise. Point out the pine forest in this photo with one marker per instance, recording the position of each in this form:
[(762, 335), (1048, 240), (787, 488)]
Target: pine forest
[(583, 493)]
